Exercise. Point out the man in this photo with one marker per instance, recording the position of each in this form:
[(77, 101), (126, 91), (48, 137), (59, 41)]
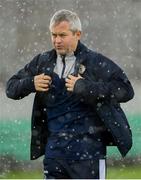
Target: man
[(76, 111)]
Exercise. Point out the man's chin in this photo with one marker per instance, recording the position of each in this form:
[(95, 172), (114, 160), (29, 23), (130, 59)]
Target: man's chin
[(61, 52)]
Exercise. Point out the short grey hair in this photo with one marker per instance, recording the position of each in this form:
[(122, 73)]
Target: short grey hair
[(66, 15)]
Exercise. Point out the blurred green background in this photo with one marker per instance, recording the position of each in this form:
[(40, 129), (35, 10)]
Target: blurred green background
[(15, 138)]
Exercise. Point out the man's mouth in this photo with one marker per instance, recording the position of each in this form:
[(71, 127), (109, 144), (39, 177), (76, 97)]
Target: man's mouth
[(59, 47)]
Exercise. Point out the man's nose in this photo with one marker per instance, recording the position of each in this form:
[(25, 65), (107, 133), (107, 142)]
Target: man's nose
[(58, 39)]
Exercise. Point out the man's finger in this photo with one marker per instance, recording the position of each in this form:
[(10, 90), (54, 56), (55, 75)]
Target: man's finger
[(69, 89), (71, 77), (68, 85), (42, 89), (44, 81), (68, 80), (43, 85), (46, 77)]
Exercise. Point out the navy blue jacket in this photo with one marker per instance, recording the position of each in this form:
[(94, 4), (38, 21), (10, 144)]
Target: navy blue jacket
[(103, 88)]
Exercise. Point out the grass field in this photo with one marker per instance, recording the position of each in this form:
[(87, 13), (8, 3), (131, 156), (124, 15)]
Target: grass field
[(130, 172)]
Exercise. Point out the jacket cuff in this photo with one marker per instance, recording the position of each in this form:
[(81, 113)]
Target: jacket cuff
[(29, 84)]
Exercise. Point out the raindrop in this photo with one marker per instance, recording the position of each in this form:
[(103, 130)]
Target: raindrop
[(78, 154), (91, 130)]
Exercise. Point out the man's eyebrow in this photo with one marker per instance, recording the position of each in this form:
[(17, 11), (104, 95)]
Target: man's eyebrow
[(58, 33)]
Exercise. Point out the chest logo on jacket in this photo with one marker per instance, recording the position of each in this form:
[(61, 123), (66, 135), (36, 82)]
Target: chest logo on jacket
[(82, 69)]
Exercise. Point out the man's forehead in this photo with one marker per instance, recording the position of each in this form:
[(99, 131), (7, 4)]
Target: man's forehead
[(60, 31), (62, 25)]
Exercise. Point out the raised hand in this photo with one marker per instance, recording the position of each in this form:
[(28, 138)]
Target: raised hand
[(42, 82), (70, 82)]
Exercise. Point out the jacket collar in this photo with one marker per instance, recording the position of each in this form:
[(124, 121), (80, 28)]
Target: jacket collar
[(81, 48), (80, 53)]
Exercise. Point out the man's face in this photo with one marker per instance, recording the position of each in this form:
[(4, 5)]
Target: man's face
[(64, 40)]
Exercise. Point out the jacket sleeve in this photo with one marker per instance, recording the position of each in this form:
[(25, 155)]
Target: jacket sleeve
[(116, 87), (21, 84)]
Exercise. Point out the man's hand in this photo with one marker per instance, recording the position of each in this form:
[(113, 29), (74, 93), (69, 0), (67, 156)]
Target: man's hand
[(42, 82), (70, 82)]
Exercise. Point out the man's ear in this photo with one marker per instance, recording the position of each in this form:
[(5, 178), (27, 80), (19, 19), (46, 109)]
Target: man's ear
[(78, 34)]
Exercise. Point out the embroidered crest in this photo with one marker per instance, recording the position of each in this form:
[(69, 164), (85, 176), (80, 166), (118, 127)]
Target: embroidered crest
[(82, 68)]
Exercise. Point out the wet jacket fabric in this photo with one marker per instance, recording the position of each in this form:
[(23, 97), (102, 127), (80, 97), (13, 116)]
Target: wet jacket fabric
[(73, 126), (103, 88)]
